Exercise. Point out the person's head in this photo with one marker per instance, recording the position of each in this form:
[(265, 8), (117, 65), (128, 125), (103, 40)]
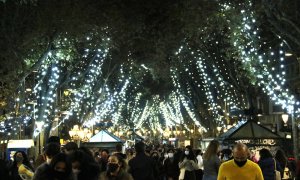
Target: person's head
[(70, 147), (104, 153), (115, 164), (265, 153), (60, 166), (83, 165), (86, 151), (21, 157), (212, 149), (119, 147), (188, 153), (198, 152), (187, 150), (155, 155), (226, 154), (51, 150), (148, 151), (139, 147), (240, 154), (280, 155), (53, 139), (171, 153)]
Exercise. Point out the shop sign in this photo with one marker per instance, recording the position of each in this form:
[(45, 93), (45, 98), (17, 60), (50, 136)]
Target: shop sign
[(270, 142)]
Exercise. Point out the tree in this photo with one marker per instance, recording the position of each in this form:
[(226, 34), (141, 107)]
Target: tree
[(148, 62)]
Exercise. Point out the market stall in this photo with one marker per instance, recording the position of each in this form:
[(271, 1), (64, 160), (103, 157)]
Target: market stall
[(254, 135), (25, 145), (103, 139)]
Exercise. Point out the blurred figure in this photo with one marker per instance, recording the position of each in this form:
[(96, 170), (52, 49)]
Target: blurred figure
[(240, 168), (142, 167), (84, 167), (267, 164), (53, 139), (3, 169), (51, 150), (70, 147), (158, 165), (226, 155), (211, 161), (148, 151), (21, 167), (86, 150), (104, 154), (59, 169), (253, 156), (116, 169), (40, 159), (199, 172), (282, 160), (188, 165), (119, 151), (129, 154), (297, 173), (170, 166)]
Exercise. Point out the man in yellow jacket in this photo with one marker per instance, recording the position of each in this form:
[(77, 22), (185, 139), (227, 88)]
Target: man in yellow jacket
[(240, 168)]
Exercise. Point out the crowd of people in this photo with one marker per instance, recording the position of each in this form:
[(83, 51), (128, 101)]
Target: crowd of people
[(144, 162)]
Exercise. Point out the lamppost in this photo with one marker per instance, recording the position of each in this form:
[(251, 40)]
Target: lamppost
[(285, 118), (80, 134)]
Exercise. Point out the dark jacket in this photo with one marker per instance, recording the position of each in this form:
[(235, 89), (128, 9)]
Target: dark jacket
[(122, 175), (142, 167), (171, 168), (42, 172), (14, 173), (268, 168)]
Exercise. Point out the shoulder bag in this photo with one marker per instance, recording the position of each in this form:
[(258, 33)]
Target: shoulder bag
[(277, 173)]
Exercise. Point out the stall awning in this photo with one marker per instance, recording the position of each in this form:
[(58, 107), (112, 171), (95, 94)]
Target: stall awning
[(105, 136), (26, 143), (248, 130)]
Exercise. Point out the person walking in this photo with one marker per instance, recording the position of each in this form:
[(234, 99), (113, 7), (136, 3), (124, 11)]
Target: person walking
[(84, 167), (21, 167), (171, 166), (51, 150), (211, 161), (268, 164), (199, 172), (104, 155), (283, 161), (59, 169), (116, 169), (119, 152), (141, 167), (240, 168), (188, 164), (159, 166)]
